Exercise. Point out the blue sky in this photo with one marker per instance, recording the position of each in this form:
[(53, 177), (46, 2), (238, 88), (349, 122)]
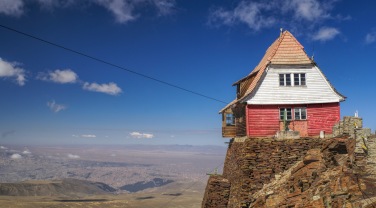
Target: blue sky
[(52, 96)]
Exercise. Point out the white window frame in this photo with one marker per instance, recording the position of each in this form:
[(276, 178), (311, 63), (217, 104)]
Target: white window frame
[(282, 115), (285, 75), (300, 81), (301, 112)]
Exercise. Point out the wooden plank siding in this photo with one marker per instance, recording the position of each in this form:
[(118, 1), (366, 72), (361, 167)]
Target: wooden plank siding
[(322, 117), (229, 131), (239, 129), (244, 85), (263, 120), (240, 120), (316, 90)]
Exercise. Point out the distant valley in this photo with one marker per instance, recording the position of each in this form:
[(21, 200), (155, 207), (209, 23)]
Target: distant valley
[(83, 173)]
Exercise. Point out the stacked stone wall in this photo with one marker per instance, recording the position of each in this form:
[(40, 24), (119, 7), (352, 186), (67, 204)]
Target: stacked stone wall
[(310, 164), (323, 178), (353, 126), (217, 192), (347, 126), (255, 162)]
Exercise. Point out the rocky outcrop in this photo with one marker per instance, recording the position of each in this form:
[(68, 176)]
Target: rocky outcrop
[(324, 178), (306, 172), (251, 163)]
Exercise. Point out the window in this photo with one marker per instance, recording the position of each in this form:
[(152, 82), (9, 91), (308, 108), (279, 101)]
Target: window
[(285, 114), (300, 113), (284, 79), (230, 120), (299, 79)]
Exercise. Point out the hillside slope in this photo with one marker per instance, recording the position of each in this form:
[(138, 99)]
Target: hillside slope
[(65, 187)]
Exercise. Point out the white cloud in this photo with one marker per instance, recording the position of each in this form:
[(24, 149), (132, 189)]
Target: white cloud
[(121, 9), (326, 33), (258, 15), (8, 69), (2, 147), (56, 107), (16, 156), (164, 7), (370, 37), (310, 10), (72, 156), (16, 8), (139, 135), (59, 76), (250, 13), (12, 7), (88, 136), (26, 152), (110, 88)]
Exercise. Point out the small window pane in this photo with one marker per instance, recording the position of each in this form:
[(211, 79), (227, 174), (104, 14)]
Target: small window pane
[(281, 113), (230, 120), (302, 79), (281, 80), (297, 114), (288, 113), (303, 113), (296, 79), (288, 80)]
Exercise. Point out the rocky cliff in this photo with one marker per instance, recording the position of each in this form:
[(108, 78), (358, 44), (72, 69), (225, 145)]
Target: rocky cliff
[(307, 172)]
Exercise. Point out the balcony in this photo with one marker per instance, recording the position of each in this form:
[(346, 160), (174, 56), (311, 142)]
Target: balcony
[(229, 131)]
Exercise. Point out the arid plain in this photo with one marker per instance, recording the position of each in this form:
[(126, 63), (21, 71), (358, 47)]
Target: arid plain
[(106, 176)]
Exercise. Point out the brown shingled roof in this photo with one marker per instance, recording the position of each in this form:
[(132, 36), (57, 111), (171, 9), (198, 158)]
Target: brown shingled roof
[(285, 50)]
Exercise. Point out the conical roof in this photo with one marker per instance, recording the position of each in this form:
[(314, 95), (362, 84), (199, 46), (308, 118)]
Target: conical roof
[(289, 51), (286, 50)]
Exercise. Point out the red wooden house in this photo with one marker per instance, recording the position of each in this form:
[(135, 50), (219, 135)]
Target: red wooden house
[(285, 85)]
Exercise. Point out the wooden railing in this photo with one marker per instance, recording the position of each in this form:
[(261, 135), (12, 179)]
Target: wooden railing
[(229, 131)]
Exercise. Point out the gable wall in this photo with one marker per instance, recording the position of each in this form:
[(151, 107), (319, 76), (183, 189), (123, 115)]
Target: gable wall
[(317, 89)]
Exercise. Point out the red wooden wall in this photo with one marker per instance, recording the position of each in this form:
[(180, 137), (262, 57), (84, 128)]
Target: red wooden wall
[(263, 120), (322, 117)]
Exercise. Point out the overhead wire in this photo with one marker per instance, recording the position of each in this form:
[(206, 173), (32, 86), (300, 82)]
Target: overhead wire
[(111, 64), (128, 70)]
